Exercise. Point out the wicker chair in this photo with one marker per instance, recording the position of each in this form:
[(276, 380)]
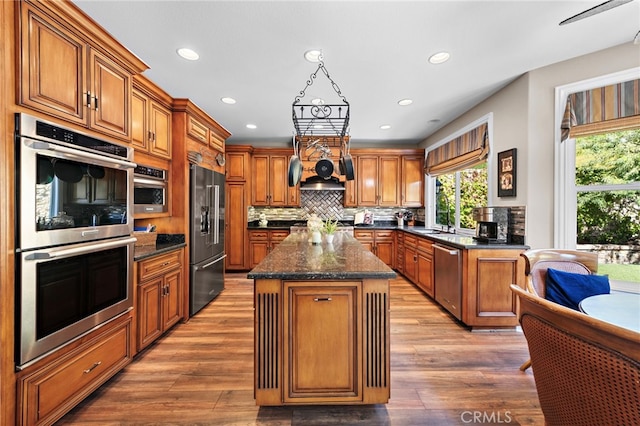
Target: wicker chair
[(538, 261), (587, 371)]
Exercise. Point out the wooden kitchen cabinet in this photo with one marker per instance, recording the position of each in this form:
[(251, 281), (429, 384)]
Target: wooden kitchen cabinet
[(323, 322), (160, 290), (270, 179), (66, 72), (378, 180), (412, 181), (262, 242), (150, 118), (379, 242), (51, 388), (486, 300), (238, 184)]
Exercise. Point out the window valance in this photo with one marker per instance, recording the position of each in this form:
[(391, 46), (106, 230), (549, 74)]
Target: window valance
[(614, 107), (460, 153)]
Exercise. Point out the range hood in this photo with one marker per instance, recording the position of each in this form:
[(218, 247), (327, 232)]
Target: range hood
[(317, 183)]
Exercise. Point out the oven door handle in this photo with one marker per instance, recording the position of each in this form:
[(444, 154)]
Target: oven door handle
[(44, 146), (84, 248)]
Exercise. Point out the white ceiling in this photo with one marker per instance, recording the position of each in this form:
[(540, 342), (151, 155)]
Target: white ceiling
[(376, 52)]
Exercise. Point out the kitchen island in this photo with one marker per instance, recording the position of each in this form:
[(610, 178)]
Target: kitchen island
[(321, 324)]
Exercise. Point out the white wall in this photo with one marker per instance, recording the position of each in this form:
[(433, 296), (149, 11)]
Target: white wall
[(523, 118)]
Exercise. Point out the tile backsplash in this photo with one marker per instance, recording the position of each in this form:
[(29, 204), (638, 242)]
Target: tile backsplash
[(326, 204)]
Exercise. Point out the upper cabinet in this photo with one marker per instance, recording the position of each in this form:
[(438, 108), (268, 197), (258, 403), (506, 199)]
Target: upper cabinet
[(412, 181), (75, 71), (378, 180), (270, 172), (150, 118), (386, 178)]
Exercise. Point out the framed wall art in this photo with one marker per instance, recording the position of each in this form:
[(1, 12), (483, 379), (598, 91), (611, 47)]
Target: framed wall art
[(507, 173)]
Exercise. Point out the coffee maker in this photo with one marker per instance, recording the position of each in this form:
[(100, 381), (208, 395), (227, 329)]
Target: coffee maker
[(492, 224)]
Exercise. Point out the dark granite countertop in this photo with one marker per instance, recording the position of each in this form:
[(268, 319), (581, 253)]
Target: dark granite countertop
[(296, 258), (164, 243), (455, 240)]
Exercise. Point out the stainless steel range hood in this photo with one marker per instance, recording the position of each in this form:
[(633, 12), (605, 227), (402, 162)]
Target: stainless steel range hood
[(317, 183)]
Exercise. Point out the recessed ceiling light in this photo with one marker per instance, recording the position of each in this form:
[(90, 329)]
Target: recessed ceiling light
[(188, 54), (385, 127), (251, 126), (313, 55), (228, 100), (317, 101), (439, 57), (405, 102)]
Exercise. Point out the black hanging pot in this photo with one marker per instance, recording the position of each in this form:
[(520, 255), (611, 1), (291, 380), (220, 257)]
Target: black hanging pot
[(324, 168), (96, 172), (348, 167), (44, 175), (295, 170), (68, 171)]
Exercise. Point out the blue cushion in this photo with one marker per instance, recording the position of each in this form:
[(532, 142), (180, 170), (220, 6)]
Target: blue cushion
[(569, 289)]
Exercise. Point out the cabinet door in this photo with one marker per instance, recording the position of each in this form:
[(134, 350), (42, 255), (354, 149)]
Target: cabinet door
[(139, 121), (260, 180), (412, 181), (367, 181), (410, 263), (320, 342), (149, 311), (53, 73), (160, 130), (388, 181), (172, 299), (236, 237), (278, 176), (425, 273), (258, 250), (350, 186), (110, 97), (385, 251), (236, 166), (293, 199)]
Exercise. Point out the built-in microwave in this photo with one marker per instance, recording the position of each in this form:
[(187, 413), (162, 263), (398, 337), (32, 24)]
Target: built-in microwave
[(150, 190)]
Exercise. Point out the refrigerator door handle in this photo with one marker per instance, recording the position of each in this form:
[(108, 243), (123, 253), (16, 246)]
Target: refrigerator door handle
[(216, 214), (196, 268)]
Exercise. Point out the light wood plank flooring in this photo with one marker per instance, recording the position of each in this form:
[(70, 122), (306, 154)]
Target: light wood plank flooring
[(201, 373)]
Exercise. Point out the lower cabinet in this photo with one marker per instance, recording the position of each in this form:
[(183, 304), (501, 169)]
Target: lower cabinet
[(48, 393), (261, 242), (380, 242), (486, 274), (159, 298), (321, 342)]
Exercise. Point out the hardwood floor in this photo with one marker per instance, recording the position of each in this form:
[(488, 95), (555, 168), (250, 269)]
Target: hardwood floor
[(201, 373)]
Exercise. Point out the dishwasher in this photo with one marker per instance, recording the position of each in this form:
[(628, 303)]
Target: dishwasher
[(448, 278)]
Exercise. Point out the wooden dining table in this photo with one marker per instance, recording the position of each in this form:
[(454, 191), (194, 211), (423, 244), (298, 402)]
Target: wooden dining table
[(618, 308)]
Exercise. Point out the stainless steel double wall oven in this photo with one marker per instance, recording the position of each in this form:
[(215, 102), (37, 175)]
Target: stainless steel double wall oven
[(73, 224)]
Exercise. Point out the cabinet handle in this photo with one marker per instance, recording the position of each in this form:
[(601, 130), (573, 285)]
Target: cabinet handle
[(90, 369), (95, 102), (322, 299), (149, 135), (165, 263), (88, 95)]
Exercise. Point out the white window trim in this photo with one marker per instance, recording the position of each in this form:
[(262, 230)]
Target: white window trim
[(430, 184), (564, 210), (565, 203)]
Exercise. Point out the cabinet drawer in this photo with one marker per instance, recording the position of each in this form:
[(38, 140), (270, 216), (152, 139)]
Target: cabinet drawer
[(410, 240), (425, 245), (52, 391), (159, 264), (279, 235), (258, 235), (386, 234), (215, 142), (197, 130), (364, 235)]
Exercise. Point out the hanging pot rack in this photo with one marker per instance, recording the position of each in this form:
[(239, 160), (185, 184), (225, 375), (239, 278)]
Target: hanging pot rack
[(310, 120)]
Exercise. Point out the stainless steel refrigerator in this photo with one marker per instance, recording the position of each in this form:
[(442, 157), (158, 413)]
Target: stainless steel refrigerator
[(206, 257)]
